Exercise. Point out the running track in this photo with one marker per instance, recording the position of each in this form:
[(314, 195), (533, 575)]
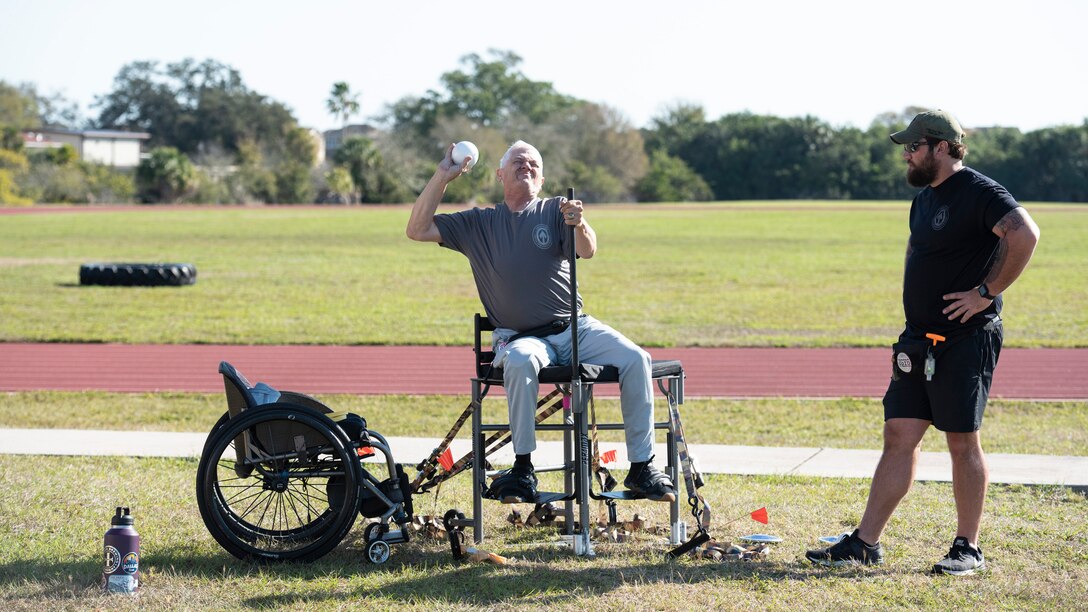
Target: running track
[(1049, 374)]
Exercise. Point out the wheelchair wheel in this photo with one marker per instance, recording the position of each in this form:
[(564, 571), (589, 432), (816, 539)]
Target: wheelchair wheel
[(278, 484), (223, 420)]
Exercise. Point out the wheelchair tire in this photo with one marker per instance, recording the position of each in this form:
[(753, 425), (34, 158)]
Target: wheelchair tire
[(223, 420), (137, 274), (274, 505)]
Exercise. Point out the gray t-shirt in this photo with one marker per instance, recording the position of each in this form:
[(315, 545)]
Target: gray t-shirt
[(518, 260)]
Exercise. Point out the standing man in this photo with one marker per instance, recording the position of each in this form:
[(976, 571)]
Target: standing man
[(969, 241), (518, 254)]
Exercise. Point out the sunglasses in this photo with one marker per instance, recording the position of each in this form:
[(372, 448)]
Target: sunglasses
[(912, 147)]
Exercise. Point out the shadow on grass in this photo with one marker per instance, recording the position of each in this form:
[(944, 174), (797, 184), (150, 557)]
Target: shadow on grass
[(544, 576), (416, 573)]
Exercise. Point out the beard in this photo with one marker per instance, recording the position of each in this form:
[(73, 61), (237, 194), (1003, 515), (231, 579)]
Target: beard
[(924, 174)]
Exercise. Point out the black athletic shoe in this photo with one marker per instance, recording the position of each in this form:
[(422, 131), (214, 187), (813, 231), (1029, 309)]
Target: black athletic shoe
[(848, 551), (515, 486), (961, 560), (650, 482)]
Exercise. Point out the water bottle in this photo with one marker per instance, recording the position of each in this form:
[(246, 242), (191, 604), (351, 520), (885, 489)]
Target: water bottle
[(121, 573)]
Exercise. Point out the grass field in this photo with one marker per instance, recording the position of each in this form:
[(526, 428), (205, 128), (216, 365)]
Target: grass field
[(737, 274), (55, 510), (58, 507), (778, 274)]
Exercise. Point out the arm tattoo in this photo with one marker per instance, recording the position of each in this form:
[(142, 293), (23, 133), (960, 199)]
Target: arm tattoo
[(1011, 222), (998, 258)]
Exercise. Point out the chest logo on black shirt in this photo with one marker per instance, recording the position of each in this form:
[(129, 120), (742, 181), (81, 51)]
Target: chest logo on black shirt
[(542, 237), (940, 218)]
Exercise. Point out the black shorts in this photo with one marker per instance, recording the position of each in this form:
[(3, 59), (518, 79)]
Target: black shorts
[(956, 397)]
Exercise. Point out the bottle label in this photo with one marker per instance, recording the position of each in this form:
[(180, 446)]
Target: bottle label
[(131, 563), (122, 583), (113, 560)]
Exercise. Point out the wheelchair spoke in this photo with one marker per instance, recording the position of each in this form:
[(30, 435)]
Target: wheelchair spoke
[(306, 499)]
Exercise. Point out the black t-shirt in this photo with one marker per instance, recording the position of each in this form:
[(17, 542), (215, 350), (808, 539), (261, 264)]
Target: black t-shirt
[(953, 244)]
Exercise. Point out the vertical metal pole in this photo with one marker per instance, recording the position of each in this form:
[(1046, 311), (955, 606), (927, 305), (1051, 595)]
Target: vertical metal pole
[(478, 475), (570, 462), (583, 546), (670, 444), (572, 255)]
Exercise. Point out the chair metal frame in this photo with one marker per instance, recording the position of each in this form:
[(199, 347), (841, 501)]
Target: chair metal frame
[(577, 446)]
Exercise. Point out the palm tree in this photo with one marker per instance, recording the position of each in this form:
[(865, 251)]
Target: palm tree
[(342, 104)]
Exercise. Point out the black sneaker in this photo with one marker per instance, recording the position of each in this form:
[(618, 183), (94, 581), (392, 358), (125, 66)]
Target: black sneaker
[(848, 551), (651, 483), (515, 486), (962, 560)]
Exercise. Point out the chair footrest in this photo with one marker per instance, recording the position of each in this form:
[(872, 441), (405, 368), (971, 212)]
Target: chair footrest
[(617, 495), (546, 497), (542, 497)]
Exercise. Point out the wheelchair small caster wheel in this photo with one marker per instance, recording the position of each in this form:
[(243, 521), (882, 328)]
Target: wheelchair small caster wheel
[(373, 532), (377, 552)]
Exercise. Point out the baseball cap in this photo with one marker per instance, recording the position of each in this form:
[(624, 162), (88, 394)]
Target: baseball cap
[(932, 124)]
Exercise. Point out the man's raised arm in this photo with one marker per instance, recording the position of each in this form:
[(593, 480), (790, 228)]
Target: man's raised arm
[(421, 224)]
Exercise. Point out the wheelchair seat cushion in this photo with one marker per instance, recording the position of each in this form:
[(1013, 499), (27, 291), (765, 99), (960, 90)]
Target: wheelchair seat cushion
[(263, 394)]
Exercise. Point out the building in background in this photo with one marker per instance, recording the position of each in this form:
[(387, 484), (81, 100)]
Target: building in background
[(108, 147), (333, 138)]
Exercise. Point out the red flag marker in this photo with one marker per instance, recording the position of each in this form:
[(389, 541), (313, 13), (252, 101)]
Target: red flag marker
[(761, 515), (608, 456), (364, 451), (446, 459)]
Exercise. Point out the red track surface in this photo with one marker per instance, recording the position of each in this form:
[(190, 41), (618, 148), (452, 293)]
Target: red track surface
[(727, 372)]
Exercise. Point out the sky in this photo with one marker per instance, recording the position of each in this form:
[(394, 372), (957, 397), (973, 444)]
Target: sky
[(997, 62)]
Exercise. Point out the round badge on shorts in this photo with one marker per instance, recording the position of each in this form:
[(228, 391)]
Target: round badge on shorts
[(903, 361)]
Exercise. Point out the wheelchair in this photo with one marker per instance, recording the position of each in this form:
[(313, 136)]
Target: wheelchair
[(281, 478)]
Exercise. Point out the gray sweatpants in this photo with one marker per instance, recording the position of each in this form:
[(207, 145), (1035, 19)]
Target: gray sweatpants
[(522, 360)]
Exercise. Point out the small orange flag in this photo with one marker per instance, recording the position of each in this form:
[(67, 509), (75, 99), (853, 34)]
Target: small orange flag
[(608, 456), (760, 515), (446, 459)]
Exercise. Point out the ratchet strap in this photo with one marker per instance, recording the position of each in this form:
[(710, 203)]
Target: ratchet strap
[(692, 481)]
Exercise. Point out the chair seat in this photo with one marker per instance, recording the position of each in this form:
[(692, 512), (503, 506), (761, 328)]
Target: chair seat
[(589, 372)]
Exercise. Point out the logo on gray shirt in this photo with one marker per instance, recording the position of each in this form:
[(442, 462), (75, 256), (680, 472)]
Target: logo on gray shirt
[(542, 236)]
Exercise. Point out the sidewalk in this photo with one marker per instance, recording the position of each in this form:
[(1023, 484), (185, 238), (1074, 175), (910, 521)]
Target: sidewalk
[(712, 458)]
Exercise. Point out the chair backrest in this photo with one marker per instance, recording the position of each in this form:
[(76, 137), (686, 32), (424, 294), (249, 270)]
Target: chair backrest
[(483, 352)]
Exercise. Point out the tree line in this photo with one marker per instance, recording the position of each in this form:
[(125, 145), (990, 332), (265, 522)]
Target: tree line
[(214, 140)]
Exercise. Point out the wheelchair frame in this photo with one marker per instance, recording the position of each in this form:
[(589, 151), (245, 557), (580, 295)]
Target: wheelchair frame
[(265, 466)]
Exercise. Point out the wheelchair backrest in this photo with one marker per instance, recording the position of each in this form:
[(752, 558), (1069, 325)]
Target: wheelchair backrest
[(237, 388)]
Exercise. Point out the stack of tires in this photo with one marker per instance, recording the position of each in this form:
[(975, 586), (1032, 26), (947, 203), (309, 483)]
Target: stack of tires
[(137, 274)]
